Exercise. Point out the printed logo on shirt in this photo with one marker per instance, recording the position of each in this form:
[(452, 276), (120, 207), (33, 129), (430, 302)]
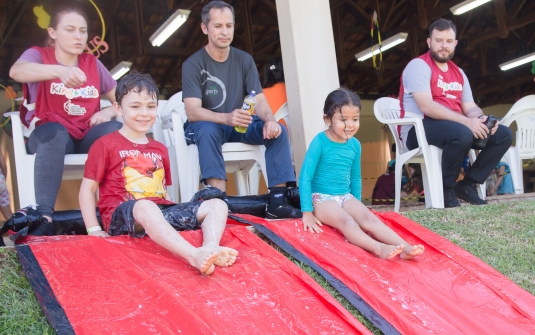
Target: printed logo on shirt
[(134, 153), (453, 86), (213, 89), (144, 174), (88, 92), (73, 109)]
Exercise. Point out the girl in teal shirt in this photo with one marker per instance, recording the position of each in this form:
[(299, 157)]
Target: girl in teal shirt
[(331, 185)]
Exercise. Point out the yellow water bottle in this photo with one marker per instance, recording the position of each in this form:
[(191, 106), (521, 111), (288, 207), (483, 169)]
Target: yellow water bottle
[(248, 105)]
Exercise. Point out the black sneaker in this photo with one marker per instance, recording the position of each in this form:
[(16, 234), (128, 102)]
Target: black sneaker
[(450, 200), (468, 193), (292, 194), (286, 211)]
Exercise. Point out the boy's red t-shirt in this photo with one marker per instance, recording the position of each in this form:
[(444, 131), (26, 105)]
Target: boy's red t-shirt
[(127, 171)]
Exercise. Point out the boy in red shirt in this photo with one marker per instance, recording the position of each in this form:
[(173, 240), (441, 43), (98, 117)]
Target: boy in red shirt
[(132, 172)]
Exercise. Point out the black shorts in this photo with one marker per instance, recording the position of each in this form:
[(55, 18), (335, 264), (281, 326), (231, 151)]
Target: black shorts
[(180, 216)]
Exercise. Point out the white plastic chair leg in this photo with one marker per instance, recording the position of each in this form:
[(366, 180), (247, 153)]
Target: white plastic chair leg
[(515, 165), (254, 179), (433, 171), (242, 183)]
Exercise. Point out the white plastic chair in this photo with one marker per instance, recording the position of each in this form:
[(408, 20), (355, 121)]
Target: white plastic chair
[(387, 111), (239, 157), (523, 113), (254, 175), (24, 162)]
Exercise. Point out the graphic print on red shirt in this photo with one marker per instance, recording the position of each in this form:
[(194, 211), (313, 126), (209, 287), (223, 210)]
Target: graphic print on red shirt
[(127, 171)]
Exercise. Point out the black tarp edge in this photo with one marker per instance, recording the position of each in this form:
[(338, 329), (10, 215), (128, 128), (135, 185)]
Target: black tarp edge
[(47, 299), (354, 299)]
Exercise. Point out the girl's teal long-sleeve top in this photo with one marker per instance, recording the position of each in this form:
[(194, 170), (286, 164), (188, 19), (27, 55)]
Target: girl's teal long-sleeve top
[(330, 168)]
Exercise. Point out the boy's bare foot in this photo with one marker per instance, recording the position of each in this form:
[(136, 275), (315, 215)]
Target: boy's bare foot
[(390, 251), (410, 252), (204, 261), (226, 256)]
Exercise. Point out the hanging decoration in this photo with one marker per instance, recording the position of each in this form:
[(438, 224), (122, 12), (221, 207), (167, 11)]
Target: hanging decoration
[(43, 19), (375, 27)]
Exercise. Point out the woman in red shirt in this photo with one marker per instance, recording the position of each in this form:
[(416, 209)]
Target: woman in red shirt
[(62, 88)]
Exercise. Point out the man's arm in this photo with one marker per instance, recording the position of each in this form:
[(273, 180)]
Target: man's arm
[(196, 112), (434, 110), (262, 108)]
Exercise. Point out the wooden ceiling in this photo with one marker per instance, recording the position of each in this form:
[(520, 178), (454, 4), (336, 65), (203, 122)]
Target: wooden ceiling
[(489, 35)]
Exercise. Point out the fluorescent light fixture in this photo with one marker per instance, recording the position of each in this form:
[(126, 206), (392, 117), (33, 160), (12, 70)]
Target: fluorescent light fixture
[(169, 27), (519, 61), (466, 6), (386, 44), (120, 69)]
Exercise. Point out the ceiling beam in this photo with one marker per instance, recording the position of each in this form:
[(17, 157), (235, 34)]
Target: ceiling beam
[(499, 6), (487, 35), (501, 86), (13, 24)]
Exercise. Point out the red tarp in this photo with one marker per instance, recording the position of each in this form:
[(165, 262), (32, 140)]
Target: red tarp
[(445, 291), (122, 285)]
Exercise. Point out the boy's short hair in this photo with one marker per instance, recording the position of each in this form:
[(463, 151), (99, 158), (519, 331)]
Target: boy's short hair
[(135, 82)]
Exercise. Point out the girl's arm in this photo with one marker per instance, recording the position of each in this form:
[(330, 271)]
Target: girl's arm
[(356, 177), (86, 198), (308, 169)]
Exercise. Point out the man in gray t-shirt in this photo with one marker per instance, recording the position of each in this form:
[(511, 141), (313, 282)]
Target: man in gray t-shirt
[(215, 81)]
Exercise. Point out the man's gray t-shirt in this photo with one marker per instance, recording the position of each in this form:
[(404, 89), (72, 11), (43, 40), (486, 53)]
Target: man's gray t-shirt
[(417, 78), (221, 86)]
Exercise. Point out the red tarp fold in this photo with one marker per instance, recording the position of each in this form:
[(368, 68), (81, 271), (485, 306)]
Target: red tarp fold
[(122, 285), (445, 291)]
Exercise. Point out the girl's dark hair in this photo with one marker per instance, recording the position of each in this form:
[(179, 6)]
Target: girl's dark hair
[(416, 179), (58, 13), (205, 12), (136, 82), (339, 98), (273, 72)]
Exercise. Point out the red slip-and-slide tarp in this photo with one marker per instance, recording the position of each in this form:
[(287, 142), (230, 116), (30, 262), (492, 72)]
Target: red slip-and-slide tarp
[(122, 285), (445, 291)]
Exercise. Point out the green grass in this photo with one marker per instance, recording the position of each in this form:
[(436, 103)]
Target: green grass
[(502, 235), (20, 312)]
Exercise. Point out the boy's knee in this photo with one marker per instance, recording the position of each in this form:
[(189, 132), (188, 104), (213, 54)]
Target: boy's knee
[(144, 208), (216, 205)]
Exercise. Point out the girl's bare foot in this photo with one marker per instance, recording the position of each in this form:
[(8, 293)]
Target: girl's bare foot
[(226, 256), (390, 251), (204, 261), (412, 251)]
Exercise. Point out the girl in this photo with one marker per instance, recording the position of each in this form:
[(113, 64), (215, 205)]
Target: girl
[(274, 87), (415, 186), (330, 183), (62, 87)]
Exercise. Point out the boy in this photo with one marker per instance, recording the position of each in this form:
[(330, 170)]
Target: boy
[(131, 173)]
